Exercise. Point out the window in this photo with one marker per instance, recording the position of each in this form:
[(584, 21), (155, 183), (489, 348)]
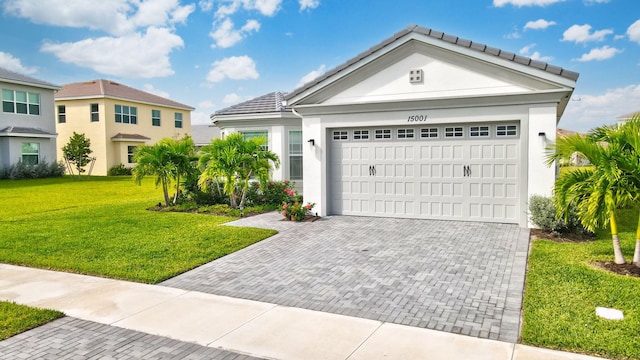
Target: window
[(62, 114), (478, 131), (253, 134), (453, 132), (341, 135), (383, 134), (295, 155), (95, 115), (428, 133), (155, 118), (20, 102), (507, 130), (30, 153), (126, 114), (405, 133), (130, 151), (178, 120), (360, 134)]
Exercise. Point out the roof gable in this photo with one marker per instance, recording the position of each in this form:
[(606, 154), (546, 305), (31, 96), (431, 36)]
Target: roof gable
[(111, 89), (15, 78), (510, 72)]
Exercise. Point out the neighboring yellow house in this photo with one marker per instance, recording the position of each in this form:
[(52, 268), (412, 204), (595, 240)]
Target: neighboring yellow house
[(116, 118)]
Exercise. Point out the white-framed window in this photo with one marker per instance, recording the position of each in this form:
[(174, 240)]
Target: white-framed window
[(258, 133), (30, 153), (507, 130), (478, 131), (155, 117), (295, 155), (406, 133), (360, 134), (62, 114), (381, 134), (340, 135), (456, 131), (20, 102), (126, 114), (429, 133), (95, 113), (178, 120), (130, 150)]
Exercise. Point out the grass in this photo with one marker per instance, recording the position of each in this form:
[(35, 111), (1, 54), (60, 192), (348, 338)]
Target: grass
[(15, 318), (101, 227), (563, 290)]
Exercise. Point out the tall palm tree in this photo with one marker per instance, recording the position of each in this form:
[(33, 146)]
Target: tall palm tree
[(183, 156), (596, 192), (154, 160)]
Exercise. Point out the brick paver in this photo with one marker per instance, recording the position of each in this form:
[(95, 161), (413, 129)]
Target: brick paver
[(70, 338), (460, 277)]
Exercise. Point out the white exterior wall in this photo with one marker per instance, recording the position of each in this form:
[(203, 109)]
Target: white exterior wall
[(541, 120), (314, 165)]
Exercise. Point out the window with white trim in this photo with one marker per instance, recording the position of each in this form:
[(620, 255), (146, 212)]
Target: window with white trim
[(155, 117), (30, 153), (406, 133), (507, 130), (478, 131), (383, 134), (130, 151), (295, 155), (247, 135), (178, 120), (62, 114), (20, 102), (360, 134), (126, 114), (340, 135), (450, 132), (428, 133), (95, 113)]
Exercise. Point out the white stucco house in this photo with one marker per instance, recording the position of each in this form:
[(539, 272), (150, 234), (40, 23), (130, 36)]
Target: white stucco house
[(422, 125), (27, 121)]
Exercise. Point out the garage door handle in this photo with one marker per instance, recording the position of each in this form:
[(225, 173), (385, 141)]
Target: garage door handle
[(466, 170), (372, 170)]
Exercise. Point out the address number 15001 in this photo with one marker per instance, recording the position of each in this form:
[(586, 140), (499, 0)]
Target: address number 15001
[(415, 118)]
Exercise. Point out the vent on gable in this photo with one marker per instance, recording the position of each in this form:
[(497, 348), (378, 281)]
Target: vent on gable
[(415, 76)]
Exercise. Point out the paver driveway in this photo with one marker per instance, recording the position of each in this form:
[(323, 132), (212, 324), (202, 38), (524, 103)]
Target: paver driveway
[(460, 277)]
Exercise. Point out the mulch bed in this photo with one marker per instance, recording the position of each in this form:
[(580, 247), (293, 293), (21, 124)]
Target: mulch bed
[(308, 218), (623, 269)]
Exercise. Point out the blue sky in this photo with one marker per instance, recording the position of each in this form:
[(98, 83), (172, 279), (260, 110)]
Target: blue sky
[(213, 53)]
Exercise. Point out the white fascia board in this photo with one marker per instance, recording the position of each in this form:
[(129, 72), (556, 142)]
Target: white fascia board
[(33, 85), (252, 117), (43, 136)]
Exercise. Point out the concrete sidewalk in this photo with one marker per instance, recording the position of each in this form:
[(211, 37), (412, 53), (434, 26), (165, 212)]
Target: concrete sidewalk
[(253, 328)]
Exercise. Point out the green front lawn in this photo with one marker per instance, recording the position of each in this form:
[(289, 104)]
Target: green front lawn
[(101, 227), (15, 318), (563, 290)]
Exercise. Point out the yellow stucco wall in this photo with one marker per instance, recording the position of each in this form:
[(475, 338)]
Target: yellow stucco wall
[(108, 152)]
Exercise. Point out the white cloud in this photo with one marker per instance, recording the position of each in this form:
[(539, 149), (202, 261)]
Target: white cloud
[(230, 99), (312, 75), (206, 104), (134, 55), (591, 2), (634, 32), (308, 4), (206, 5), (514, 35), (226, 36), (264, 7), (590, 110), (599, 54), (526, 51), (519, 3), (151, 89), (539, 24), (116, 17), (582, 34), (14, 64), (200, 118), (235, 67)]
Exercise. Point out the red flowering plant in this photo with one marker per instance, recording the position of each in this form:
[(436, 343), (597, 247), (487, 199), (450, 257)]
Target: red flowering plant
[(293, 209)]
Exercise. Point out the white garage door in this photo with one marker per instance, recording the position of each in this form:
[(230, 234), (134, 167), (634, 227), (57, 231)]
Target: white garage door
[(461, 172)]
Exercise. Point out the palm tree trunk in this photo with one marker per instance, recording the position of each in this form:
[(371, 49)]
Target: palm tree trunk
[(175, 197), (617, 250), (636, 253), (165, 190)]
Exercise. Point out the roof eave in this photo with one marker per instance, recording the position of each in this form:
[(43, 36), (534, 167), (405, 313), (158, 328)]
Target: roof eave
[(26, 83)]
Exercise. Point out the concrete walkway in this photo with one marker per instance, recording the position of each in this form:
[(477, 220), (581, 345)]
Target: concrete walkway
[(111, 319)]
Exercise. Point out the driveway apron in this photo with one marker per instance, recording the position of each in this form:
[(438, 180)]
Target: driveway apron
[(460, 277)]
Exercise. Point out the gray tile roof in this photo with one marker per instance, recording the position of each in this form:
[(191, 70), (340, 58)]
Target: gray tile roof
[(25, 130), (112, 89), (14, 77), (446, 38), (271, 102)]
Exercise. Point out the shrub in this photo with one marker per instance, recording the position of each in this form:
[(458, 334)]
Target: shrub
[(543, 215), (296, 211), (19, 170), (120, 169)]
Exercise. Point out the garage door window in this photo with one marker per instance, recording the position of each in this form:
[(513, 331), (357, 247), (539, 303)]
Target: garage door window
[(507, 130), (429, 133), (479, 131), (360, 134), (405, 134), (342, 135), (383, 134), (453, 132)]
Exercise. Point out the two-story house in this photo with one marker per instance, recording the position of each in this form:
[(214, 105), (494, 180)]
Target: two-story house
[(27, 120), (116, 118)]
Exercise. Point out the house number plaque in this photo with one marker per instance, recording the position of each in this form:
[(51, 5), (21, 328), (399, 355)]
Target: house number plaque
[(417, 118)]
